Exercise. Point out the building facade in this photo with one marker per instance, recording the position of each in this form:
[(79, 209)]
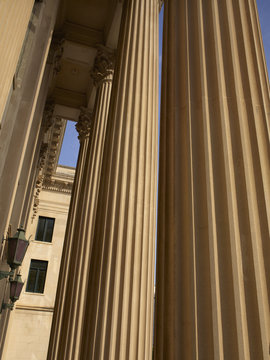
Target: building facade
[(30, 322), (96, 63)]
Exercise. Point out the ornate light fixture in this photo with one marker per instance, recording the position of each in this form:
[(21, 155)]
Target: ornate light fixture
[(17, 246), (16, 286)]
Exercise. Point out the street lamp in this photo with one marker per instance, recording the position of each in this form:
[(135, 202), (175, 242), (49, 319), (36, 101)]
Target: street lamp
[(17, 246), (16, 286)]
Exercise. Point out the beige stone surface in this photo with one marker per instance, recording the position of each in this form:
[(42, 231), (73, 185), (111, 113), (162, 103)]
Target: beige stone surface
[(28, 335), (30, 321), (72, 260), (69, 313), (111, 295), (212, 289), (18, 128), (14, 18)]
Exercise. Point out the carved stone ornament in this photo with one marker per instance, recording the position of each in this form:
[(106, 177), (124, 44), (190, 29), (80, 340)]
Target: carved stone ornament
[(84, 124), (104, 65), (56, 52), (57, 185), (48, 115), (39, 182), (42, 155)]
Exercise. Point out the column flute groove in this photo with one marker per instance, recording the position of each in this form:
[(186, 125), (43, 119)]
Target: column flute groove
[(67, 334), (83, 127), (115, 325), (212, 290)]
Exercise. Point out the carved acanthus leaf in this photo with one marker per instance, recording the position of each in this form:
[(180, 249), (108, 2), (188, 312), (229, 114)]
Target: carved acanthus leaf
[(104, 64), (84, 124)]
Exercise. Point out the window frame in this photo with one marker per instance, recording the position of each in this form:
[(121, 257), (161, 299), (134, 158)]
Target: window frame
[(37, 275), (45, 229)]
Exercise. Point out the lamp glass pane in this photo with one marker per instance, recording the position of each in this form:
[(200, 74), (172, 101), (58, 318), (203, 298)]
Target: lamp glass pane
[(18, 289), (20, 252), (15, 290), (12, 243)]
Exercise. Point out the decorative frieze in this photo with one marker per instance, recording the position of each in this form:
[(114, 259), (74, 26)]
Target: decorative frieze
[(55, 140), (53, 130), (42, 155), (47, 120), (37, 191), (57, 185), (104, 65)]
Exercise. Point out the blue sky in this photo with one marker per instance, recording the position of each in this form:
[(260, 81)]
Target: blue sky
[(70, 147), (264, 15)]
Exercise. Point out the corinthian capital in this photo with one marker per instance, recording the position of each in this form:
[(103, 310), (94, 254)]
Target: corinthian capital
[(104, 65), (84, 124)]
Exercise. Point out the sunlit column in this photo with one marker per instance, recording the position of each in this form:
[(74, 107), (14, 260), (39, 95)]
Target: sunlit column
[(67, 330), (67, 273), (108, 311), (118, 318), (213, 269)]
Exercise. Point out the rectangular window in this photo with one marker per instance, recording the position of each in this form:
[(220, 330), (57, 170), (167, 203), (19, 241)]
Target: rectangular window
[(45, 229), (37, 276)]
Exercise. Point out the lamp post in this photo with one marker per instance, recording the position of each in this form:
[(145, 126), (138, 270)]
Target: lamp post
[(17, 246)]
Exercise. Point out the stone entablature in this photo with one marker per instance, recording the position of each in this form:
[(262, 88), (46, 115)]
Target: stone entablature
[(54, 139), (61, 181), (58, 186)]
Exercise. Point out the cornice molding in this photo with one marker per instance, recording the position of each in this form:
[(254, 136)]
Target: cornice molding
[(42, 155), (57, 185), (47, 119), (55, 137)]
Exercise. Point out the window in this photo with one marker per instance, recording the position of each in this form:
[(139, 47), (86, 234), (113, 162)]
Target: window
[(37, 276), (45, 229)]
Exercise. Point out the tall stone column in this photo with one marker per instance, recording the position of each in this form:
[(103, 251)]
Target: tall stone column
[(66, 273), (116, 293), (118, 318), (67, 329), (213, 248)]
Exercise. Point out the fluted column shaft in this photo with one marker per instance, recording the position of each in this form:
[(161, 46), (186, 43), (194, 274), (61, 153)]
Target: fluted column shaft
[(66, 274), (118, 318), (67, 330), (213, 273)]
